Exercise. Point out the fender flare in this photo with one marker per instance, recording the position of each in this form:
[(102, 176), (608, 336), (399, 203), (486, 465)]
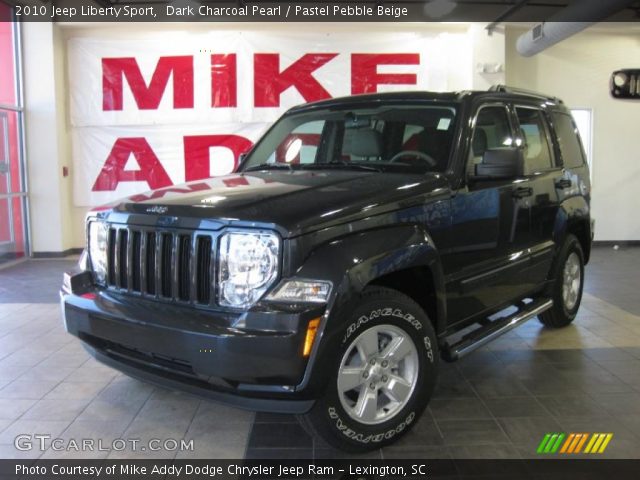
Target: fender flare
[(574, 214), (353, 262)]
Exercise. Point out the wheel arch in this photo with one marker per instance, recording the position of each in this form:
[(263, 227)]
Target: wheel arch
[(419, 284), (582, 230), (391, 257), (574, 219)]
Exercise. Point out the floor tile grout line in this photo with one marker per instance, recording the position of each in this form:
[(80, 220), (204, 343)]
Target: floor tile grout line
[(42, 398), (153, 389), (85, 407), (492, 416)]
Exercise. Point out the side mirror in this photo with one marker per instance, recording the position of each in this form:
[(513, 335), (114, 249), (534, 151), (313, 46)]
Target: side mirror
[(499, 163)]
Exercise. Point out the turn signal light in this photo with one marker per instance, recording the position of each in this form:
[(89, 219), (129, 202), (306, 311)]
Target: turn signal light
[(312, 329)]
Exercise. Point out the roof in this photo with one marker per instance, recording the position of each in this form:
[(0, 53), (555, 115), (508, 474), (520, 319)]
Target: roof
[(422, 96), (373, 98)]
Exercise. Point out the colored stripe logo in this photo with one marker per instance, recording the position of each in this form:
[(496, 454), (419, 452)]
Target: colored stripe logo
[(574, 443)]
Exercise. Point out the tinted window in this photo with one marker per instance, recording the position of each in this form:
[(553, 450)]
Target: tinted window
[(492, 131), (537, 151), (300, 146), (569, 140), (388, 137)]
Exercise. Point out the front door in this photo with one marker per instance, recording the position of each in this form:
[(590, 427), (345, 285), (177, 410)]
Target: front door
[(491, 226)]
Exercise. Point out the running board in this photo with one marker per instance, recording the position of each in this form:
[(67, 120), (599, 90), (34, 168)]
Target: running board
[(492, 330)]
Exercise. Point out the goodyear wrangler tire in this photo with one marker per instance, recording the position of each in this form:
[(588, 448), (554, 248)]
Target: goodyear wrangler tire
[(383, 376)]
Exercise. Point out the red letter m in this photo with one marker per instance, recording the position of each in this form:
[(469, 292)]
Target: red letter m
[(147, 97)]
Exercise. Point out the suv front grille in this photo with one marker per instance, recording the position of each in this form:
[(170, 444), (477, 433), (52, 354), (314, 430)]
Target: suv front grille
[(165, 265)]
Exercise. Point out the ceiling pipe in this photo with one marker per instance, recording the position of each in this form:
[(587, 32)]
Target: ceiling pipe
[(506, 14), (573, 19)]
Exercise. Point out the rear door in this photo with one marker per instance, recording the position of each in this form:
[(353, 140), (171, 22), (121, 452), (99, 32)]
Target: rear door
[(544, 178)]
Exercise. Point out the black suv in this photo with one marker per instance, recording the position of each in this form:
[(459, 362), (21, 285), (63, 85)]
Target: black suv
[(358, 242)]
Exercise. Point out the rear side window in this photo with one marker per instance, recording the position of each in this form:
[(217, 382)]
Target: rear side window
[(569, 140), (534, 133)]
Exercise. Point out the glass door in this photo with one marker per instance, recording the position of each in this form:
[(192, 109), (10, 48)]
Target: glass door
[(13, 194)]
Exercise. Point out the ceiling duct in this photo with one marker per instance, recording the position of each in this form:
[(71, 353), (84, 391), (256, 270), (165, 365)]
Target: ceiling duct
[(573, 19)]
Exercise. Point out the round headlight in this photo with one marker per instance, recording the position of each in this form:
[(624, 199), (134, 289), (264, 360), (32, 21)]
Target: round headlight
[(248, 266)]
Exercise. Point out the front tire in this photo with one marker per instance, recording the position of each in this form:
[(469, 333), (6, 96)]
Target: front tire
[(382, 377), (568, 282)]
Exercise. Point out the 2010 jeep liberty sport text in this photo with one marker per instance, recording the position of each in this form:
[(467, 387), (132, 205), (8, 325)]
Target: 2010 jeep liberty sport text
[(343, 259)]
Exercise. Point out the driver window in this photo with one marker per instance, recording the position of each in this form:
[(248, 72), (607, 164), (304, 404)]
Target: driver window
[(492, 130)]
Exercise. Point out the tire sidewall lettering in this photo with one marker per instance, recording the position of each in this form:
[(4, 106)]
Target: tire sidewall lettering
[(368, 316), (378, 313), (365, 438)]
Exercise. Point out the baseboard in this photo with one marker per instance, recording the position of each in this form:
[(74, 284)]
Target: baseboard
[(64, 253), (613, 243)]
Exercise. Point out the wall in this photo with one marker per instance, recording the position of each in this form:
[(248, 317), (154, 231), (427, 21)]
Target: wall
[(45, 140), (57, 225), (578, 71)]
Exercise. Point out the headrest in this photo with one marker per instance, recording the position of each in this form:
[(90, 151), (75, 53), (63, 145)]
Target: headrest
[(362, 142), (479, 142)]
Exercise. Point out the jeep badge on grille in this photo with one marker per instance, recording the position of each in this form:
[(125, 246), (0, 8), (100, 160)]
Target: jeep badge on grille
[(157, 209)]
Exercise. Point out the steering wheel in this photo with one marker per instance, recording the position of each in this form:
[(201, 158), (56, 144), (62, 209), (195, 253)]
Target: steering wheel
[(415, 154)]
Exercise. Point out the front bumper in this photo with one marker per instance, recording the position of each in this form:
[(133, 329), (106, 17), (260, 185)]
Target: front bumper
[(218, 355)]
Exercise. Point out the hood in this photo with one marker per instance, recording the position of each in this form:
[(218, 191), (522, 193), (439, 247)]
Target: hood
[(296, 201)]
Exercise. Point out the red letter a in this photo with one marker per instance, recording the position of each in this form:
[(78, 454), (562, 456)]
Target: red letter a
[(113, 172)]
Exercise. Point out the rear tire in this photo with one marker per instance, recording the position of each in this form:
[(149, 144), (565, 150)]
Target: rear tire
[(568, 282), (382, 377)]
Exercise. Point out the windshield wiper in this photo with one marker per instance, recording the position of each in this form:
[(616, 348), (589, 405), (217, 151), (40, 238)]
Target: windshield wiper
[(269, 166), (341, 164)]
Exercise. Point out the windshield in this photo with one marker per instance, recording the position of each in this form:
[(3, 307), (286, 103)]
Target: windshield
[(390, 138)]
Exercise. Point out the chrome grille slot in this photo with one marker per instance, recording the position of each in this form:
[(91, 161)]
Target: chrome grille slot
[(203, 277), (123, 241), (167, 265), (111, 253), (184, 267), (136, 260), (150, 267)]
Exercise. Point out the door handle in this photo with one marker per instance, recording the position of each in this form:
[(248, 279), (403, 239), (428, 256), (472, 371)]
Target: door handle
[(564, 183), (522, 192)]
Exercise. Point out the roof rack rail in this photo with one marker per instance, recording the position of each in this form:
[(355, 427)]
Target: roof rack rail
[(522, 91)]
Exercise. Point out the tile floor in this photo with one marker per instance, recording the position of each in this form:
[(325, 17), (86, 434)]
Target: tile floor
[(496, 403)]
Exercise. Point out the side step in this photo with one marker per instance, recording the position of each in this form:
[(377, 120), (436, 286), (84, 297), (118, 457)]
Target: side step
[(491, 330)]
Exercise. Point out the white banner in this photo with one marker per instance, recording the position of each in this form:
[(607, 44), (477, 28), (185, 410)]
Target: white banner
[(181, 106)]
